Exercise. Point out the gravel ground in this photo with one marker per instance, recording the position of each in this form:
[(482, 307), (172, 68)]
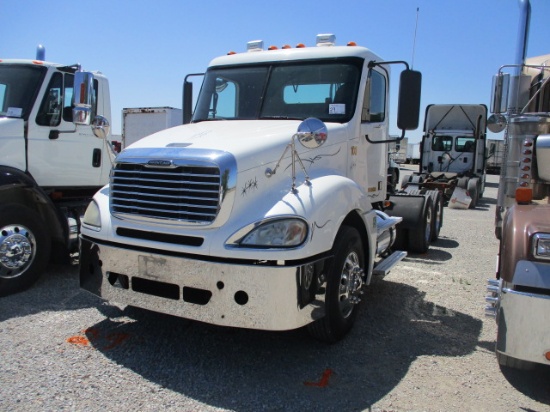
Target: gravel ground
[(421, 343)]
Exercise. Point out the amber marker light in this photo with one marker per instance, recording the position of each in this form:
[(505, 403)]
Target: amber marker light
[(524, 195), (286, 46), (547, 356), (300, 45), (231, 53), (352, 43), (272, 48)]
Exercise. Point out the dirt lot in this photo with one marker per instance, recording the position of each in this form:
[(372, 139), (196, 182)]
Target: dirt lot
[(421, 343)]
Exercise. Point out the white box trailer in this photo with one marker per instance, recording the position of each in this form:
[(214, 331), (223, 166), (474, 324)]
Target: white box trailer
[(413, 153), (399, 155), (139, 122)]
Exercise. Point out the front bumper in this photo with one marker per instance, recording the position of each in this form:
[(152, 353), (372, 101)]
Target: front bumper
[(523, 325), (237, 295)]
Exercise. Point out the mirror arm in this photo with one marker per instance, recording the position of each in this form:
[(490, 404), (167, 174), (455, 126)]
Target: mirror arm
[(397, 139)]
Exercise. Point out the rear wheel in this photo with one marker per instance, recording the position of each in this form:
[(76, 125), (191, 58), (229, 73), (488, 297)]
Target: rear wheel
[(421, 234), (473, 191), (24, 248), (344, 282)]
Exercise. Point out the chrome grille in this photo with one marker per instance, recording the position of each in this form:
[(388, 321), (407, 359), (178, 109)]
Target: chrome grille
[(183, 193)]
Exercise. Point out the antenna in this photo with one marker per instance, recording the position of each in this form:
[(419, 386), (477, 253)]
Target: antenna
[(414, 40)]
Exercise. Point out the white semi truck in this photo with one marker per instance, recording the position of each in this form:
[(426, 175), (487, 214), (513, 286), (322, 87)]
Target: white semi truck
[(51, 163), (519, 297), (452, 151), (269, 209)]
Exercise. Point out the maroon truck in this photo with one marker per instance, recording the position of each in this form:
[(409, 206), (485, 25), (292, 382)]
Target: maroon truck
[(519, 297)]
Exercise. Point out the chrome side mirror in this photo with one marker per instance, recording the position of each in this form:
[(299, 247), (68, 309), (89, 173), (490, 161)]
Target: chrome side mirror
[(83, 95), (496, 123), (312, 133), (101, 127), (499, 93)]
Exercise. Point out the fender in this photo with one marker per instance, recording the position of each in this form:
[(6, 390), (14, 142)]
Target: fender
[(326, 204), (520, 223), (409, 207), (17, 187)]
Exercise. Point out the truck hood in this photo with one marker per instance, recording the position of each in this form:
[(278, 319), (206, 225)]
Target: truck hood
[(11, 127), (252, 142)]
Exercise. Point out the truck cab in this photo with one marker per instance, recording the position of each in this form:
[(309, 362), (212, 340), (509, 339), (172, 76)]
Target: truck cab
[(268, 208), (50, 164), (518, 296)]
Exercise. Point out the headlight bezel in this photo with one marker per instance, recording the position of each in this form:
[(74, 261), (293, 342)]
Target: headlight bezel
[(272, 233), (540, 246), (92, 217)]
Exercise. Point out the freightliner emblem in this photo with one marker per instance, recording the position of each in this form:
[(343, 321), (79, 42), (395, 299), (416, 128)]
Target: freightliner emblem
[(165, 163)]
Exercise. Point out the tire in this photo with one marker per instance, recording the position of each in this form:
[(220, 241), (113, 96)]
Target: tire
[(344, 277), (393, 180), (405, 181), (421, 234), (24, 248), (437, 221), (462, 183), (473, 191)]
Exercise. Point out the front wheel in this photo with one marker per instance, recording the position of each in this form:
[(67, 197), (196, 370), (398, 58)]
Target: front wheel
[(344, 283), (24, 248)]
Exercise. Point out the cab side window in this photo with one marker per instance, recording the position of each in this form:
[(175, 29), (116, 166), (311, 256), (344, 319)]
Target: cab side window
[(52, 103), (68, 98), (374, 103)]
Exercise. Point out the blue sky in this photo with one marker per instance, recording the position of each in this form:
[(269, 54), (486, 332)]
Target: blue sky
[(146, 48)]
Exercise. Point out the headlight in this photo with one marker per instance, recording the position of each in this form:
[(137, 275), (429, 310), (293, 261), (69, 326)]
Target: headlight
[(541, 246), (278, 233), (92, 217)]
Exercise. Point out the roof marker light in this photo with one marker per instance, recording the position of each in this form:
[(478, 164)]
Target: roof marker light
[(300, 46), (272, 48), (326, 40), (255, 45), (286, 46), (351, 43)]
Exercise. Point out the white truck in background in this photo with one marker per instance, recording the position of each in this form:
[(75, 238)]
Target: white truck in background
[(452, 154), (51, 162), (269, 210), (139, 122), (519, 297)]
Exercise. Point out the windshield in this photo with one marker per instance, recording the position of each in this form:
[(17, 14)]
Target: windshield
[(19, 86), (443, 143), (326, 90)]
